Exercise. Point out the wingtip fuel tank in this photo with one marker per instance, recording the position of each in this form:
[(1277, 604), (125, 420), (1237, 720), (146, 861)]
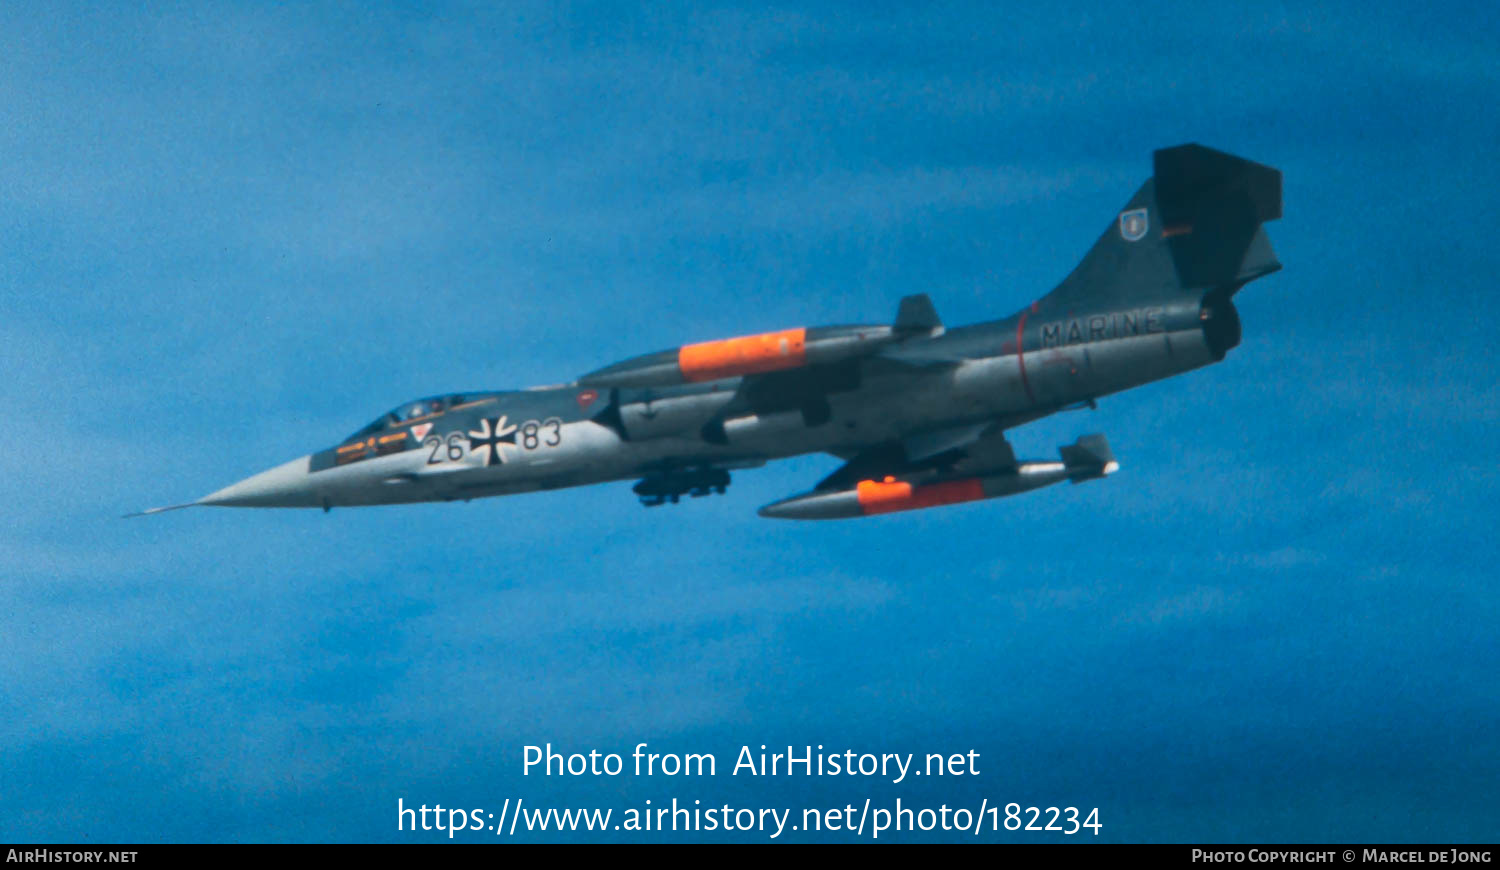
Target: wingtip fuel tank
[(745, 355), (1087, 459), (767, 351)]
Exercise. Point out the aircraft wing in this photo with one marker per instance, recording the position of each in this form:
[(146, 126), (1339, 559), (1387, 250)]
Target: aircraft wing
[(974, 449)]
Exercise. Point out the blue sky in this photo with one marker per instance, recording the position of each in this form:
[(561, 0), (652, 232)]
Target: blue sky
[(231, 234)]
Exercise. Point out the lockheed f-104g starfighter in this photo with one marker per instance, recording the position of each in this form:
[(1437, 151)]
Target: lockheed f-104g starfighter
[(917, 411)]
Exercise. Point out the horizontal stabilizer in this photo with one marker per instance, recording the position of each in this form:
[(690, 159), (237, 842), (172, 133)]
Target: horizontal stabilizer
[(1192, 178), (1211, 206)]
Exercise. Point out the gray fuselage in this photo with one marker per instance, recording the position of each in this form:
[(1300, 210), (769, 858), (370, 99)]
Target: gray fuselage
[(918, 411), (502, 443)]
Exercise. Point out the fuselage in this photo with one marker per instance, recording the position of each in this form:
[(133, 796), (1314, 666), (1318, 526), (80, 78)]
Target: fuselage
[(917, 411), (1010, 371)]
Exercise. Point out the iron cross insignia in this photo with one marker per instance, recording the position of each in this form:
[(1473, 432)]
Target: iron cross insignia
[(492, 433)]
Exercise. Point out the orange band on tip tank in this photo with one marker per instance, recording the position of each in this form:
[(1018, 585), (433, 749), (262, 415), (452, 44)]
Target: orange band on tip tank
[(891, 495), (751, 354)]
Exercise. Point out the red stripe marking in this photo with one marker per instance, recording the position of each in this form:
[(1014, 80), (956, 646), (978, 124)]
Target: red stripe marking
[(1021, 354)]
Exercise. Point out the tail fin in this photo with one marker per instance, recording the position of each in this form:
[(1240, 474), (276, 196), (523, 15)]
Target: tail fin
[(1088, 458), (917, 315), (1193, 228)]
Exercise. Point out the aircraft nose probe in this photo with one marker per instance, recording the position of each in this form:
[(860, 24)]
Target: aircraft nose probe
[(286, 485)]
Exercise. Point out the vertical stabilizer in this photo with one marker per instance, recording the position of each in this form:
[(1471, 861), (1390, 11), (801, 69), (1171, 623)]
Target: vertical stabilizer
[(1192, 228)]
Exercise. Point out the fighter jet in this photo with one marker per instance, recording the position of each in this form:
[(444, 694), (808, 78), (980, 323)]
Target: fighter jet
[(917, 411)]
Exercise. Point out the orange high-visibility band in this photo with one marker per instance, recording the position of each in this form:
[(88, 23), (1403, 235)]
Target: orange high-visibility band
[(748, 355), (891, 495)]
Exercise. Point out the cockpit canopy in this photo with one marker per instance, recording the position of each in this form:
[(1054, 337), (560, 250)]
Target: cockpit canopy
[(408, 413)]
